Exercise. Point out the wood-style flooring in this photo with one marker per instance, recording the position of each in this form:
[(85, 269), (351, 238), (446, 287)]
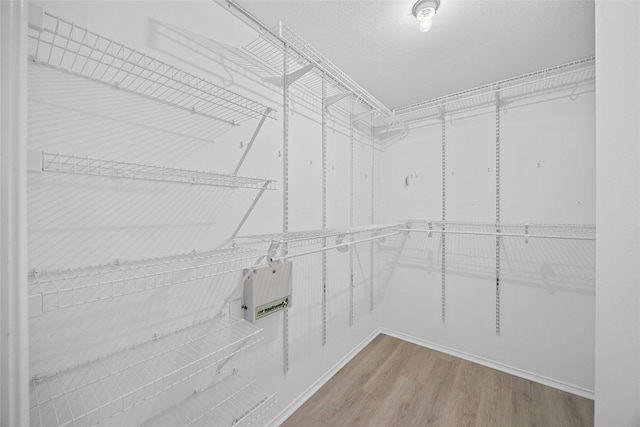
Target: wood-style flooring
[(395, 383)]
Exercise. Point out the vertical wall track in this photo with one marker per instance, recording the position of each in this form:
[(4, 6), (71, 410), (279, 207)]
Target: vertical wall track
[(285, 192), (443, 284), (497, 210)]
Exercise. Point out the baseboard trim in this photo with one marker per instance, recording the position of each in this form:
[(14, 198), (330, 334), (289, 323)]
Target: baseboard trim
[(560, 385), (311, 390)]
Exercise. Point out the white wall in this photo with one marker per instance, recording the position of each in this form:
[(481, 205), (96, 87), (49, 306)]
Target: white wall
[(77, 221), (547, 286), (618, 213)]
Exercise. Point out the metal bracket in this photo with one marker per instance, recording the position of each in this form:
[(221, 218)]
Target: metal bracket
[(526, 232), (253, 138), (274, 262), (330, 100), (339, 240), (291, 77)]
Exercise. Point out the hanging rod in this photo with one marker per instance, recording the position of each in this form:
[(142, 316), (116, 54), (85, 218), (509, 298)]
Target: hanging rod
[(482, 233), (337, 246)]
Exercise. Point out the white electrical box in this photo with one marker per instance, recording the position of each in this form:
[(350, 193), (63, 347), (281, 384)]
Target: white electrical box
[(267, 291)]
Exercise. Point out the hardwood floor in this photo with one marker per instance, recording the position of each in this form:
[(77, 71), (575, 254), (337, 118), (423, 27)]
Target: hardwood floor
[(395, 383)]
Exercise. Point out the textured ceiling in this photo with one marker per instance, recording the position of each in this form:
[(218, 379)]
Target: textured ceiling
[(471, 43)]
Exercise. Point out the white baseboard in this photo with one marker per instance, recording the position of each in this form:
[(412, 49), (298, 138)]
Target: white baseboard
[(569, 388), (293, 406)]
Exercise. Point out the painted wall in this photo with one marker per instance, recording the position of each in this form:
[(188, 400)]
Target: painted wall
[(547, 286), (618, 212), (77, 221)]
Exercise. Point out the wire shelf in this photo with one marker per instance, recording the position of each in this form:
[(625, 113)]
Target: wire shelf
[(268, 48), (73, 287), (572, 75), (63, 163), (232, 402), (300, 243), (552, 231), (65, 46), (99, 390)]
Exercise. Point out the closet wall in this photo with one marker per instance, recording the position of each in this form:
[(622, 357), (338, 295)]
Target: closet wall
[(77, 221), (547, 287)]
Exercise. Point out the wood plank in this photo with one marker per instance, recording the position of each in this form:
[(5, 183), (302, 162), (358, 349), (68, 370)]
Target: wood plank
[(396, 383)]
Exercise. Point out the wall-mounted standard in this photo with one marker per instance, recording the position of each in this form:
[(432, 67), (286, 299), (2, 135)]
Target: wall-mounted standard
[(424, 10)]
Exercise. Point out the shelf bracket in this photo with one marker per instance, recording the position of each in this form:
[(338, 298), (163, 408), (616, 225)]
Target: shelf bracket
[(246, 215), (253, 138), (339, 240), (289, 78), (330, 100)]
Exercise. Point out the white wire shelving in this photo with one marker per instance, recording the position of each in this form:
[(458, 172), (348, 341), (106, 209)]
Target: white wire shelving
[(63, 45), (100, 390), (573, 75), (268, 49), (233, 402), (301, 243), (70, 164), (53, 290), (521, 230)]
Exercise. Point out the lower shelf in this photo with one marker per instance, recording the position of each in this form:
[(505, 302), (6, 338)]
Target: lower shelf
[(232, 402), (99, 390)]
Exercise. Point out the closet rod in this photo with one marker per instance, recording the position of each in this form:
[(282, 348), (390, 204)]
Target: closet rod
[(342, 245), (482, 233)]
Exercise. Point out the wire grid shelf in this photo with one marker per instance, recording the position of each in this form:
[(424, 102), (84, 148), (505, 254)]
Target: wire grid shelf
[(307, 89), (233, 402), (572, 75), (65, 46), (383, 115), (99, 390), (268, 48), (566, 231), (64, 163), (68, 288)]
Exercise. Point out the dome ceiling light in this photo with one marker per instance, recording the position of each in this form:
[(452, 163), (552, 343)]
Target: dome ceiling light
[(424, 10)]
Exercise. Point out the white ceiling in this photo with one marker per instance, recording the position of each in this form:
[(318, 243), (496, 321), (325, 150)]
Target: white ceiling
[(471, 43)]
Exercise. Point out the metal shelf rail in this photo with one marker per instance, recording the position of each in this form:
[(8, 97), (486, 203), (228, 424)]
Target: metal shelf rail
[(524, 231), (63, 45), (234, 401), (64, 163), (99, 390), (572, 75), (67, 288), (301, 243)]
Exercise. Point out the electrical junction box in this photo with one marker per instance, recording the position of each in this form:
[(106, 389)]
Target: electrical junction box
[(267, 291)]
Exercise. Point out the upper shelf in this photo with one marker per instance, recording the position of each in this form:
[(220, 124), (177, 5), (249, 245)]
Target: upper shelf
[(572, 75), (66, 46), (63, 163), (268, 49)]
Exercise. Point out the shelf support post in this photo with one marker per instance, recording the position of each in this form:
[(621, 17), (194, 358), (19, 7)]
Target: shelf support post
[(14, 313), (285, 190), (498, 104), (324, 210)]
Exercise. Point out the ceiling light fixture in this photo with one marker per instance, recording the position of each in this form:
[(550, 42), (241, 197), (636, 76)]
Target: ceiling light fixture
[(424, 10)]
